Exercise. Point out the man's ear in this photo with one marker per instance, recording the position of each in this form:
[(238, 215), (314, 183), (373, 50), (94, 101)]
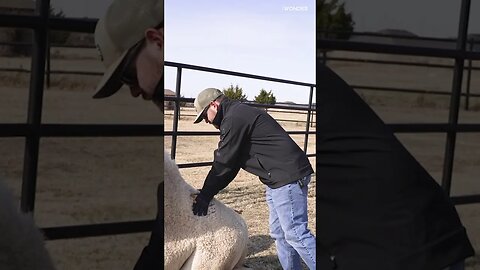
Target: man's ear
[(155, 35)]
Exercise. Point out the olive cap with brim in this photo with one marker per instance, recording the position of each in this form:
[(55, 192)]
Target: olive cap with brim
[(203, 100), (122, 27), (111, 80)]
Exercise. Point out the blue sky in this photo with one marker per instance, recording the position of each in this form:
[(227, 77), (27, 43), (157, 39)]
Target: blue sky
[(268, 38)]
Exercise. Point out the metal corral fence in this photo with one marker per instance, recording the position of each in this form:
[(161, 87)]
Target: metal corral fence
[(357, 37), (421, 42), (460, 54), (34, 129), (178, 99), (312, 115)]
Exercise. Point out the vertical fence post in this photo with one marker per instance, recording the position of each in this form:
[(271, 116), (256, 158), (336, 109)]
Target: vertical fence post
[(176, 113), (455, 98), (309, 112), (469, 78), (48, 60), (312, 123), (35, 102)]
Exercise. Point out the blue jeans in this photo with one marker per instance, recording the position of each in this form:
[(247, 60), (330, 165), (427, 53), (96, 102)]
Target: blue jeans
[(288, 224)]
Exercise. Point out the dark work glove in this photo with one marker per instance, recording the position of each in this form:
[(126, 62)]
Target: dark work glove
[(200, 204)]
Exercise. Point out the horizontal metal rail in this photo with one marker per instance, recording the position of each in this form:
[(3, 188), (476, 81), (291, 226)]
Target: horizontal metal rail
[(433, 128), (72, 72), (21, 70), (298, 107), (396, 63), (216, 133), (364, 34), (314, 112), (397, 128), (83, 25), (271, 110), (81, 130), (52, 46), (330, 44), (465, 199), (103, 229), (233, 73), (408, 90), (278, 120), (419, 38)]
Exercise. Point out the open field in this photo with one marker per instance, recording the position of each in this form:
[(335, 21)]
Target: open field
[(92, 180)]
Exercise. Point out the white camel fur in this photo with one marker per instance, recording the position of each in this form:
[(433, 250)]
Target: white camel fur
[(21, 243), (216, 241)]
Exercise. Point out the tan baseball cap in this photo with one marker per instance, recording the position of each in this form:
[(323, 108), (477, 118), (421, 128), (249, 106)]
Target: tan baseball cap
[(122, 27), (203, 100)]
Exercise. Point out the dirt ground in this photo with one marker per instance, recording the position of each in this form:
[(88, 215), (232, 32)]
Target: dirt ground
[(96, 180)]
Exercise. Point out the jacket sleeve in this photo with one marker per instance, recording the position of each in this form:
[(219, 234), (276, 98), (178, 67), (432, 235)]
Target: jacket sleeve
[(226, 163)]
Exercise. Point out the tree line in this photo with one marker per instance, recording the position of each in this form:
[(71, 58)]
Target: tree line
[(236, 93)]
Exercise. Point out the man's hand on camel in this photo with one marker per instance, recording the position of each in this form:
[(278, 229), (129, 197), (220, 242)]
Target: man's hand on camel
[(200, 204)]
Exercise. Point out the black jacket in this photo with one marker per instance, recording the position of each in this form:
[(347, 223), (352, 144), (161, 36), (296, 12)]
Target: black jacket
[(377, 206), (251, 139)]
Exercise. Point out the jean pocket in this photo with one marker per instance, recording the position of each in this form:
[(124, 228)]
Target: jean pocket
[(306, 180)]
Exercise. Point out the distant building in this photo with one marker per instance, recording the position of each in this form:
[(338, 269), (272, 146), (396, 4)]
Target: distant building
[(392, 37), (169, 105), (17, 7)]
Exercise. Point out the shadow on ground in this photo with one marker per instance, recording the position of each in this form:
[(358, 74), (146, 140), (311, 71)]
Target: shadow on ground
[(259, 243), (269, 262), (256, 245)]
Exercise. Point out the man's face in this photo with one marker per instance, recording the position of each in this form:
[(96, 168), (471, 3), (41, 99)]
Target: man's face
[(211, 112), (146, 68)]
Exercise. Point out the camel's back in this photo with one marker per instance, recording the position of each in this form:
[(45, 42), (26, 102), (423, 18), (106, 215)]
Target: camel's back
[(181, 223), (215, 241)]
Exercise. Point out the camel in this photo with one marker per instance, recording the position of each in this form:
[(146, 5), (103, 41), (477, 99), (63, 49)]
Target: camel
[(21, 242), (216, 241)]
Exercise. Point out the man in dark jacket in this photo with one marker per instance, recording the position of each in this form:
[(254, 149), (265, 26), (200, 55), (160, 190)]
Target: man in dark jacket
[(377, 206), (130, 41), (251, 139)]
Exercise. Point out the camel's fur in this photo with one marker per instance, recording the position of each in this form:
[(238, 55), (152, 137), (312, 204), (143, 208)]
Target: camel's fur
[(21, 243), (216, 241)]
